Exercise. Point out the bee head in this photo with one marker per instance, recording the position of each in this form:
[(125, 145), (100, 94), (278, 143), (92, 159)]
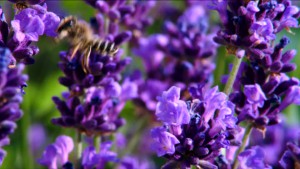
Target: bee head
[(66, 26)]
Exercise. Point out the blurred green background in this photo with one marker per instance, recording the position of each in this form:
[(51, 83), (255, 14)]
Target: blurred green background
[(43, 83)]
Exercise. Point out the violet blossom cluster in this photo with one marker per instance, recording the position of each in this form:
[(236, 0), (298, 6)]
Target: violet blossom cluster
[(133, 16), (192, 134), (262, 89), (251, 26), (94, 101), (56, 155), (28, 24), (16, 50), (275, 142), (181, 55)]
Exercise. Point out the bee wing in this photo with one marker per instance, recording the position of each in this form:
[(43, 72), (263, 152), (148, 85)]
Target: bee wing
[(85, 61)]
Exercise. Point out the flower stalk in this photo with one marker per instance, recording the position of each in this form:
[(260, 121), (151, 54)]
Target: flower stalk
[(229, 84), (97, 143), (243, 145), (78, 148)]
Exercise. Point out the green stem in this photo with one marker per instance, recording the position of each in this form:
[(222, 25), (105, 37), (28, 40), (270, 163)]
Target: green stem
[(78, 148), (243, 146), (133, 143), (97, 143), (236, 65)]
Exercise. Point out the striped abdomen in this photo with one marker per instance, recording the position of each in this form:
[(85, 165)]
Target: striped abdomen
[(105, 47)]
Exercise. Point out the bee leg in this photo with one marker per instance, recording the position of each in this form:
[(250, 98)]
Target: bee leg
[(74, 51), (85, 62)]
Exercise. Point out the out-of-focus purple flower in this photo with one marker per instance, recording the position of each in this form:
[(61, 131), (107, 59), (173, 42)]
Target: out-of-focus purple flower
[(36, 137), (252, 158), (133, 16), (148, 51), (132, 162), (170, 109), (163, 141), (2, 155), (193, 21), (148, 91), (91, 158), (274, 141), (292, 97), (121, 141), (291, 157), (56, 154), (211, 127), (182, 55)]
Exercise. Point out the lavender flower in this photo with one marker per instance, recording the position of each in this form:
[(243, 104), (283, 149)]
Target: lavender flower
[(163, 141), (251, 25), (99, 112), (11, 87), (27, 26), (131, 162), (290, 158), (132, 16), (253, 158), (183, 55), (57, 153), (171, 110), (36, 137), (94, 101), (197, 140), (264, 95), (274, 141), (92, 159)]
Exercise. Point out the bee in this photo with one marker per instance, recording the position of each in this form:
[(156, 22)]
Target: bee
[(81, 38), (20, 5)]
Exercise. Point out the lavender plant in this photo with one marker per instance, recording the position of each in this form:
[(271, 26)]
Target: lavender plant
[(151, 102), (15, 52)]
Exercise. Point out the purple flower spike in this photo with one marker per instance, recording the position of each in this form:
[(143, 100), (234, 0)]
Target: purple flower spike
[(131, 162), (291, 157), (36, 137), (253, 25), (255, 95), (57, 153), (292, 97), (30, 23), (91, 159), (170, 109), (212, 126), (49, 157), (163, 141), (252, 158)]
